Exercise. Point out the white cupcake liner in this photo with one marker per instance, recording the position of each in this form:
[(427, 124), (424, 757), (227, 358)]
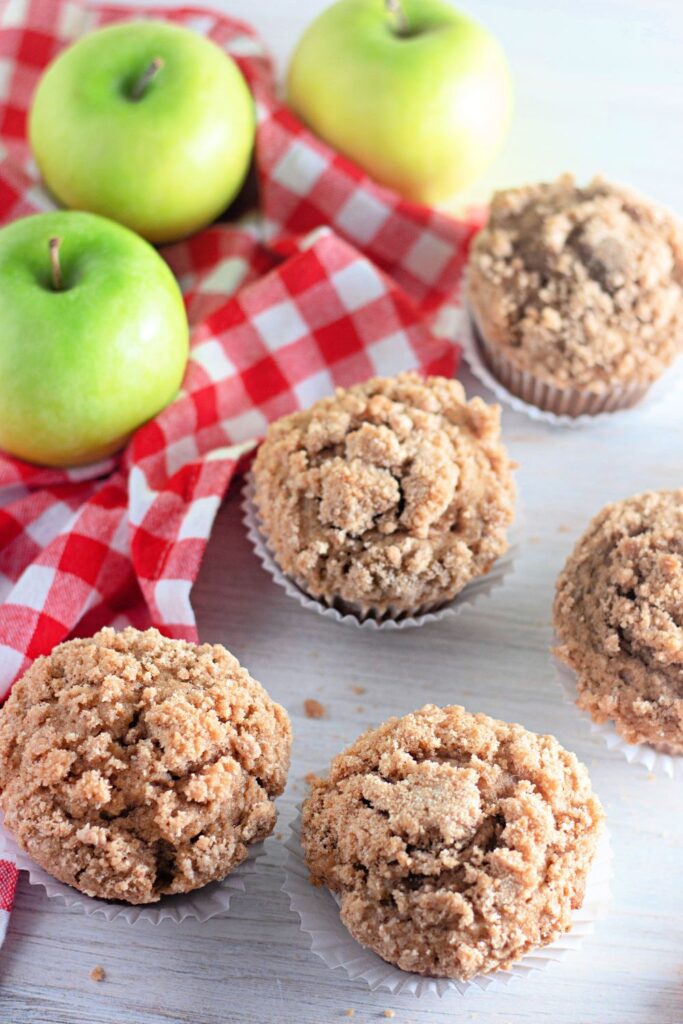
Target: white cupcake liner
[(318, 912), (599, 408), (201, 904), (635, 753), (481, 587)]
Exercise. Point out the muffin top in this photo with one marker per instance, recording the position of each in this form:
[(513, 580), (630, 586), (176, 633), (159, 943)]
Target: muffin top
[(394, 493), (132, 765), (582, 287), (454, 842), (618, 616)]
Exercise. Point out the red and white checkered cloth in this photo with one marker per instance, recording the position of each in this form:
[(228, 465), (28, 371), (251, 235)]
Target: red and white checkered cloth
[(331, 280)]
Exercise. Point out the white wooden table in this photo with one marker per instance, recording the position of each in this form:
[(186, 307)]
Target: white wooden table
[(599, 86)]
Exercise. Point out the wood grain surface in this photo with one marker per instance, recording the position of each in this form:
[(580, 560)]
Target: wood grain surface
[(598, 87)]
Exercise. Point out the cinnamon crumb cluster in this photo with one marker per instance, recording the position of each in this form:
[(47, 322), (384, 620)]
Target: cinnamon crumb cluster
[(132, 766), (455, 843), (583, 287), (395, 493), (618, 616)]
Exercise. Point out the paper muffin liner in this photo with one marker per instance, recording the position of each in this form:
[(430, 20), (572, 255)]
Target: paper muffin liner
[(566, 407), (201, 904), (343, 611), (635, 753), (318, 912)]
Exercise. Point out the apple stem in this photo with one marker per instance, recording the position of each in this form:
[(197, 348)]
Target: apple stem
[(54, 244), (140, 87), (395, 9)]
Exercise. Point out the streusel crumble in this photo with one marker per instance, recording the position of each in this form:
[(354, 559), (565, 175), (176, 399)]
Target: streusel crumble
[(132, 765), (619, 617), (455, 843), (393, 494), (580, 287)]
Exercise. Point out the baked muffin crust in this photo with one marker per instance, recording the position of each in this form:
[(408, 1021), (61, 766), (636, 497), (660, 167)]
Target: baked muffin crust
[(132, 765), (582, 287), (394, 493), (618, 614), (454, 842)]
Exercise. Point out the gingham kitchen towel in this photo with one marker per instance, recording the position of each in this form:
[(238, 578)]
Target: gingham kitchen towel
[(329, 280)]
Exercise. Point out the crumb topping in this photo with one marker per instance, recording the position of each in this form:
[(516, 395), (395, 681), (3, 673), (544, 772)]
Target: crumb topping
[(132, 765), (583, 287), (313, 708), (618, 614), (456, 843), (393, 493)]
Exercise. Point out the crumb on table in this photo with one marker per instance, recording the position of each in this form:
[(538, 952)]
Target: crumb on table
[(358, 690), (389, 1013), (310, 778), (313, 708), (97, 973)]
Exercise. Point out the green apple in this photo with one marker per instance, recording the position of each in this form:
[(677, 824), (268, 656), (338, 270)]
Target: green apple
[(93, 337), (413, 91), (147, 123)]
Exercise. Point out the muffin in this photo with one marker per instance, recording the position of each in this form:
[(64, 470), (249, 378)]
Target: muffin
[(577, 294), (133, 766), (618, 616), (454, 843), (387, 498)]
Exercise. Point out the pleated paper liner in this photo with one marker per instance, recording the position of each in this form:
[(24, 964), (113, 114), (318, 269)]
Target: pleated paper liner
[(344, 612), (635, 753), (318, 913), (201, 904), (565, 407)]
